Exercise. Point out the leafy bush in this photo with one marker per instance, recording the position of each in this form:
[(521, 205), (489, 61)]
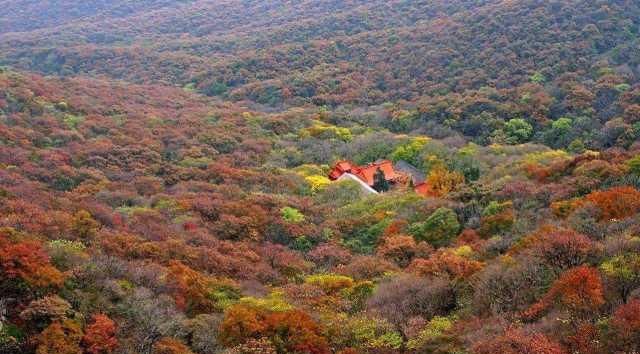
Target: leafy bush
[(438, 229), (292, 215), (518, 131)]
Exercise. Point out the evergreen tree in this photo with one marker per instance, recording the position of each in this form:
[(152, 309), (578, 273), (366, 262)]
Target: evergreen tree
[(380, 183)]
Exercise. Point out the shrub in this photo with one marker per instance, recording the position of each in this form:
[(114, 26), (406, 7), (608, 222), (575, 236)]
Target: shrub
[(439, 228), (330, 283), (518, 131), (292, 215)]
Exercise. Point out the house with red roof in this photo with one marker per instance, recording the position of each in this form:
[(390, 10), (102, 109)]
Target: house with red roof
[(340, 168), (365, 174)]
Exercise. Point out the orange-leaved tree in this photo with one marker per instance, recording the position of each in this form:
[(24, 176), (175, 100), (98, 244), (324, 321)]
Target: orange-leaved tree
[(616, 203), (27, 261), (579, 291), (291, 330), (61, 337), (100, 335)]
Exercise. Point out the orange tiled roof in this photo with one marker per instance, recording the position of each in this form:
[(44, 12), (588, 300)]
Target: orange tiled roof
[(340, 168), (366, 173), (344, 165)]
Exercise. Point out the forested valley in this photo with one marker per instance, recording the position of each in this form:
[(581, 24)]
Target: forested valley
[(293, 177)]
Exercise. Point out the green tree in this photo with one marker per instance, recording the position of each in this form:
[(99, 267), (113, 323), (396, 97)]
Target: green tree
[(431, 335), (562, 125), (634, 165), (538, 78), (292, 215), (576, 146), (216, 89), (560, 132), (518, 131), (439, 228), (411, 151)]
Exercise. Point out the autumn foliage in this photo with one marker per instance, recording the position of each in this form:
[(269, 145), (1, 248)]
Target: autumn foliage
[(616, 203), (61, 338), (518, 342), (164, 177), (561, 249), (446, 264), (170, 346), (27, 261), (578, 290), (100, 335), (294, 330), (626, 323)]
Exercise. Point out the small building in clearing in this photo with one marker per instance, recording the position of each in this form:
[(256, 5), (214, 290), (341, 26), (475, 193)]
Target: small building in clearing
[(402, 174)]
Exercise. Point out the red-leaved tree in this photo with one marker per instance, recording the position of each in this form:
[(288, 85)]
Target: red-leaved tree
[(578, 290), (100, 335)]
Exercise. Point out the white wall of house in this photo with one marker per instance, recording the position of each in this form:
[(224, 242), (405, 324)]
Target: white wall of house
[(364, 186)]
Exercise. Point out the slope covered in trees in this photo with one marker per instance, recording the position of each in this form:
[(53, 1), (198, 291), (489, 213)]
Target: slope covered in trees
[(465, 66), (164, 189), (340, 51), (149, 219)]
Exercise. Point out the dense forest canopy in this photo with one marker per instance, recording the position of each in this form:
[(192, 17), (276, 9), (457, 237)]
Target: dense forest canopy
[(167, 176)]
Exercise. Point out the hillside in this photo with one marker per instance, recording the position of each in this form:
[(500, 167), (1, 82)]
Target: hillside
[(460, 67), (295, 177), (336, 51)]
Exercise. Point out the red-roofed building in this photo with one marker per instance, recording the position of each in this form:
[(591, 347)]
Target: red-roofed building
[(366, 174), (339, 169)]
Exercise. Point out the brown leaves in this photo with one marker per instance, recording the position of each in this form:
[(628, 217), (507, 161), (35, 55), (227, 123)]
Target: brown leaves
[(558, 248)]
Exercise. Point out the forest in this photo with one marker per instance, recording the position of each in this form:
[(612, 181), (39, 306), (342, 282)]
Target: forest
[(167, 177)]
